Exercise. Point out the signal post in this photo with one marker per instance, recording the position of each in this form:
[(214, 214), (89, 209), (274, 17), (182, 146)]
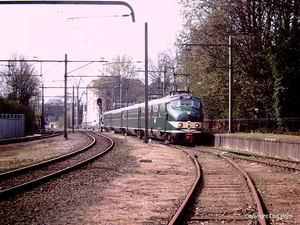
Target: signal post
[(99, 103)]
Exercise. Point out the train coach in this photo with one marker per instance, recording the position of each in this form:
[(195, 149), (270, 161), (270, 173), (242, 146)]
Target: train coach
[(176, 118)]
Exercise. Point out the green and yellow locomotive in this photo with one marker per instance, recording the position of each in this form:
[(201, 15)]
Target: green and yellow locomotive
[(176, 118)]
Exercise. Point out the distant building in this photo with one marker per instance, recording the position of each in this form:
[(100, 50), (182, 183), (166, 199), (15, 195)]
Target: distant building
[(53, 109)]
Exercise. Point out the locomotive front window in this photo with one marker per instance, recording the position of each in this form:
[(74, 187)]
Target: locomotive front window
[(196, 104), (185, 103), (175, 103)]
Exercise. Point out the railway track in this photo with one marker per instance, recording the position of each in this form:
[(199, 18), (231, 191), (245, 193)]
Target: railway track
[(27, 177), (226, 192), (225, 195), (278, 182), (288, 164)]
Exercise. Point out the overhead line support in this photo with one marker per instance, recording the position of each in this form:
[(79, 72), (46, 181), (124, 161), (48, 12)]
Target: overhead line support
[(230, 67), (72, 3)]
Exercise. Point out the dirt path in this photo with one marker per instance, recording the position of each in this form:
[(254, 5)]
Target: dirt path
[(150, 193)]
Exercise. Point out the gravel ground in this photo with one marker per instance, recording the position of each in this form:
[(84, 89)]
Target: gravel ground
[(21, 154), (279, 190), (135, 183)]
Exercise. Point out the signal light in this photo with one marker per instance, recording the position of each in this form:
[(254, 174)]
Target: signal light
[(99, 102)]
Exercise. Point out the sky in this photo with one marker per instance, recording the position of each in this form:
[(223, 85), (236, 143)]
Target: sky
[(48, 32)]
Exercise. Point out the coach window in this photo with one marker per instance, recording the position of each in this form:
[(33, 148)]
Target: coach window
[(124, 114), (155, 110), (116, 116), (142, 112), (133, 114)]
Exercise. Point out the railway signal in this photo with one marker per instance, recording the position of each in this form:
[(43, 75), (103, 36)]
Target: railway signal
[(99, 102)]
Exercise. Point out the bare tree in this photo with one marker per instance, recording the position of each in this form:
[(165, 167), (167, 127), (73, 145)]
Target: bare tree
[(119, 86), (162, 72), (122, 67), (22, 81)]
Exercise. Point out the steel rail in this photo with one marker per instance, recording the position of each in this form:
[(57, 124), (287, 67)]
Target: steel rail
[(260, 210), (260, 161), (254, 192), (176, 217), (266, 163), (6, 193), (256, 155)]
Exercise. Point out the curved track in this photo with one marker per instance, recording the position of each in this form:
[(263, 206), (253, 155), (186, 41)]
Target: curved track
[(27, 177), (226, 193), (288, 164)]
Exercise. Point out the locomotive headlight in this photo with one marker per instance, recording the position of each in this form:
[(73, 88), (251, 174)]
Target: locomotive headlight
[(189, 113), (180, 125), (197, 125)]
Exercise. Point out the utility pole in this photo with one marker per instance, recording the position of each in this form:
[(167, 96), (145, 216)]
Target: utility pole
[(164, 80), (73, 111), (121, 96), (43, 110), (230, 72), (66, 97), (77, 107), (146, 83)]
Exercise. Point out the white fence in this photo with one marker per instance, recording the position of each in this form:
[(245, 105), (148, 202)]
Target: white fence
[(12, 125)]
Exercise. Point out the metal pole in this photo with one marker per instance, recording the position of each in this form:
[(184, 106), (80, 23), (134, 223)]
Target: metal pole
[(164, 81), (113, 96), (146, 83), (43, 110), (86, 107), (77, 107), (127, 96), (120, 94), (73, 112), (76, 2), (230, 86), (66, 96)]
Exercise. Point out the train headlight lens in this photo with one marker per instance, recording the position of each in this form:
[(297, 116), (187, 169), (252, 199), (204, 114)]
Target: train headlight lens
[(197, 125), (180, 125), (189, 113)]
